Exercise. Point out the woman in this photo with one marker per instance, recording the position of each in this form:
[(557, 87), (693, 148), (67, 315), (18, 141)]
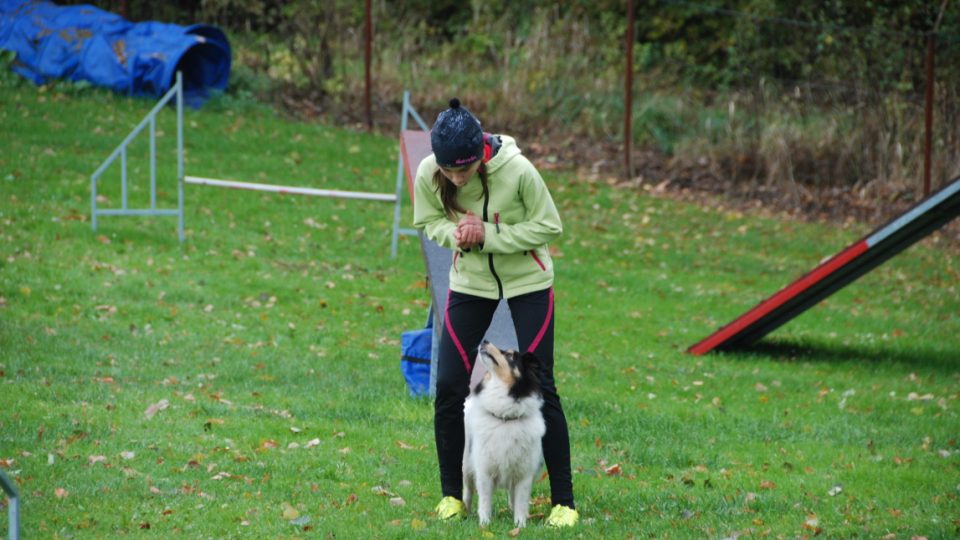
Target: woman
[(479, 196)]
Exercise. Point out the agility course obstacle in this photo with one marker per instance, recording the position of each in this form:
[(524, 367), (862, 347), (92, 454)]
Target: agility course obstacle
[(838, 271), (253, 186), (13, 510), (177, 92), (414, 146)]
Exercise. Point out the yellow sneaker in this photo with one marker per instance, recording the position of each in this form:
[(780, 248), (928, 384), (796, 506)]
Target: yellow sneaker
[(449, 508), (563, 516)]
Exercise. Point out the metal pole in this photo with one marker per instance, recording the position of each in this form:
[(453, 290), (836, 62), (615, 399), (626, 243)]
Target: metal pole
[(14, 510), (399, 188), (123, 176), (366, 60), (180, 233), (153, 163), (628, 95), (928, 120), (93, 201)]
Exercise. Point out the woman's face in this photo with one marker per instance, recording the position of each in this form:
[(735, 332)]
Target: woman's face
[(461, 175)]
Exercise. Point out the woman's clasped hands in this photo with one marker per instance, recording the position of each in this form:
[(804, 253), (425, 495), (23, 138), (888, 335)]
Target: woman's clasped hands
[(469, 231)]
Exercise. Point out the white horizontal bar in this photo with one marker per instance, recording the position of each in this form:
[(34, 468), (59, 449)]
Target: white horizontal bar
[(388, 197)]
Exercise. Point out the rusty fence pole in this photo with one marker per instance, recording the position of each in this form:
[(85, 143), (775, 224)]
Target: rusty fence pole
[(366, 60), (628, 95), (928, 120)]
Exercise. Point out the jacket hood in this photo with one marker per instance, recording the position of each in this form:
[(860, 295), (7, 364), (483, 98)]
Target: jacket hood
[(508, 151)]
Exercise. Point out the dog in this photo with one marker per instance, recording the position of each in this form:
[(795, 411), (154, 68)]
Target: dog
[(504, 427)]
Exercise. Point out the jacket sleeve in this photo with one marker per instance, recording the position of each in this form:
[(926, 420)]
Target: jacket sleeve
[(541, 225), (428, 214)]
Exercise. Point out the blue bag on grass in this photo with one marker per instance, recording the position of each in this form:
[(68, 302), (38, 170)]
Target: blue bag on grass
[(415, 348)]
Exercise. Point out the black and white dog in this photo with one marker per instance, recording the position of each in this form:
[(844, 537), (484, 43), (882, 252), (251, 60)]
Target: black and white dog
[(504, 428)]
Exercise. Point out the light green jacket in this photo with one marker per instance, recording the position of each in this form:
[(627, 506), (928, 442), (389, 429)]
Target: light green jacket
[(520, 219)]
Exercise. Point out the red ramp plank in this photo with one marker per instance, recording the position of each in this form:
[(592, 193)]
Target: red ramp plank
[(838, 271), (414, 146)]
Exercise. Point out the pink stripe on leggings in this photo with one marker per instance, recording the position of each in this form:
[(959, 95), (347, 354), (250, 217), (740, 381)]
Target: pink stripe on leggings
[(546, 324), (453, 335)]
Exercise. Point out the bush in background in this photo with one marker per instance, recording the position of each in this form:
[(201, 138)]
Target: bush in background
[(761, 92)]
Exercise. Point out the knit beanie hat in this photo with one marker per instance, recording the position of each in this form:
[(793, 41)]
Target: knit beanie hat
[(456, 137)]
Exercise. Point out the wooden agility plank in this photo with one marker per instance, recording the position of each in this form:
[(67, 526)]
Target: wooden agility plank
[(835, 273)]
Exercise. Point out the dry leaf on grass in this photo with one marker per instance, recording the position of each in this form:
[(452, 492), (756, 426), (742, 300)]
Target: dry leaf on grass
[(152, 410)]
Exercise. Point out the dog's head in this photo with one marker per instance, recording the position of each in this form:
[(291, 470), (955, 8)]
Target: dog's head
[(518, 374)]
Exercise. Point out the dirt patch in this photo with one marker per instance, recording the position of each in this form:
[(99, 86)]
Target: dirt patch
[(871, 204)]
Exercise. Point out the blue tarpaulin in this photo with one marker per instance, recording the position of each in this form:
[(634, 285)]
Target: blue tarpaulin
[(84, 43)]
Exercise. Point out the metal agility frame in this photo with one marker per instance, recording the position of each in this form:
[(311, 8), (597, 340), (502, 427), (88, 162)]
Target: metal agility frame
[(14, 510), (121, 151), (150, 120)]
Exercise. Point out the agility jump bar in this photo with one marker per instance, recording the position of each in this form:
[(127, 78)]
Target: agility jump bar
[(386, 197), (836, 272)]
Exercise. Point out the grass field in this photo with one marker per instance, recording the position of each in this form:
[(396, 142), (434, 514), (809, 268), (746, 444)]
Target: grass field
[(246, 383)]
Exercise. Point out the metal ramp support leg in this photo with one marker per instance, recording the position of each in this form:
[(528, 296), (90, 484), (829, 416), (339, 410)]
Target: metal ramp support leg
[(14, 511)]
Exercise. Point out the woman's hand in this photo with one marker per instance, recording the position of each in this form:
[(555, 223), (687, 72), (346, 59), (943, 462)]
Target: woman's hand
[(469, 231)]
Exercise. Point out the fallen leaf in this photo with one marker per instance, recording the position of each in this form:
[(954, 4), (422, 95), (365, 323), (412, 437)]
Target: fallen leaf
[(397, 501), (61, 493), (613, 470), (812, 523), (269, 443), (835, 490), (312, 443), (96, 459), (152, 410), (405, 446), (289, 512), (301, 521)]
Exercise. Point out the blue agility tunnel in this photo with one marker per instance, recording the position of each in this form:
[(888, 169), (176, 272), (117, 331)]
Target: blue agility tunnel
[(84, 43)]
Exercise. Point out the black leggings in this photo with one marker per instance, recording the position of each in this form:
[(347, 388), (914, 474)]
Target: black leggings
[(465, 323)]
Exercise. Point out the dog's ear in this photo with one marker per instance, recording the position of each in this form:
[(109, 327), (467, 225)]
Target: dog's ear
[(530, 361)]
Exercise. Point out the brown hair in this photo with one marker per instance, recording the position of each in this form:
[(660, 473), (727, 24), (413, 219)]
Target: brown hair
[(448, 191)]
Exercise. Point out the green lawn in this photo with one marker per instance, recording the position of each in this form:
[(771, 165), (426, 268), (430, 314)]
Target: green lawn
[(246, 383)]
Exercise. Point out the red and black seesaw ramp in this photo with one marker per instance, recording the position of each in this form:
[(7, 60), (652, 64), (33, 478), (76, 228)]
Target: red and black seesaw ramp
[(838, 271)]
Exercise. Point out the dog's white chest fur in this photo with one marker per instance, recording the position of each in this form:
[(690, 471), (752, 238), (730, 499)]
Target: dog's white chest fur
[(503, 449), (504, 431)]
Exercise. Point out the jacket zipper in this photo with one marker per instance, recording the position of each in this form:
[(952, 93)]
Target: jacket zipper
[(486, 202)]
